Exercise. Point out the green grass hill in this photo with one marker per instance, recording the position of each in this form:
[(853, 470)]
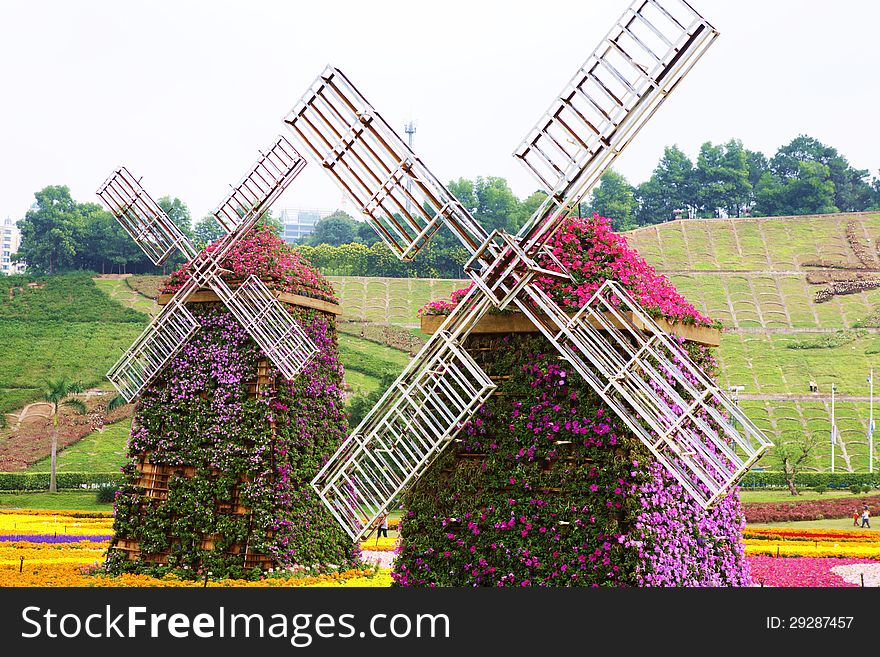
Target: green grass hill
[(760, 276), (58, 326)]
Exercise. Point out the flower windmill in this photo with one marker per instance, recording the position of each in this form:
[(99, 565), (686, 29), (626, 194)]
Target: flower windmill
[(641, 373), (252, 303)]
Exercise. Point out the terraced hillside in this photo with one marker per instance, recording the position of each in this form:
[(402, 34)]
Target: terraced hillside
[(389, 300), (58, 326), (761, 277)]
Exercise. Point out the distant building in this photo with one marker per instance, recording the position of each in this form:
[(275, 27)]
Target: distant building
[(300, 223), (10, 241)]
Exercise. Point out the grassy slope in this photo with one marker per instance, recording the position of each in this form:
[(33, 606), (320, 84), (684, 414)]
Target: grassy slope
[(66, 328), (762, 276), (762, 283), (100, 451), (119, 291), (389, 300)]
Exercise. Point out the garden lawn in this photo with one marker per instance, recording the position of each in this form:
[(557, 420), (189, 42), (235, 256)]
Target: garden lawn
[(34, 351), (360, 382), (767, 363), (99, 451), (63, 501), (370, 358)]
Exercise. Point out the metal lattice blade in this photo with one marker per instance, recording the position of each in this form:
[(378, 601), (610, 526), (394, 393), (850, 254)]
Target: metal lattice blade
[(150, 353), (651, 383), (142, 218), (414, 421), (394, 190), (267, 179), (269, 323), (638, 63)]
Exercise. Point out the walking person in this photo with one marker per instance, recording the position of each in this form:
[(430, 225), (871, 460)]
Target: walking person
[(866, 515), (856, 517), (383, 525)]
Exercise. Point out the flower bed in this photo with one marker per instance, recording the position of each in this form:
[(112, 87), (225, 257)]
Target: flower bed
[(76, 564), (789, 534), (811, 543), (813, 549), (807, 571), (380, 544), (51, 523), (838, 507)]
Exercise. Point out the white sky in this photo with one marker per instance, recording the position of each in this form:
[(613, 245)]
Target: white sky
[(185, 93)]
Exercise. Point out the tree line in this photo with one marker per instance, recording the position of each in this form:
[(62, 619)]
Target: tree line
[(727, 180), (60, 234)]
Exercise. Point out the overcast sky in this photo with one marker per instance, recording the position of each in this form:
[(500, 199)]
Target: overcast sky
[(185, 93)]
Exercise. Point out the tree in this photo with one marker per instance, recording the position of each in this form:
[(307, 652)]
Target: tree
[(792, 455), (758, 164), (490, 201), (58, 393), (178, 213), (812, 191), (48, 231), (875, 193), (269, 219), (722, 178), (615, 198), (207, 230), (366, 234), (335, 229), (668, 190), (528, 207), (852, 192)]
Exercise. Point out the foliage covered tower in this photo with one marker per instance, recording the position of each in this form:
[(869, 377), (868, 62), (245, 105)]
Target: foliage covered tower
[(545, 486), (223, 448)]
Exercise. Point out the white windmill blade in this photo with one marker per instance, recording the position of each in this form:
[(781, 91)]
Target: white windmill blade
[(264, 317), (417, 417), (257, 190), (640, 61), (153, 349), (393, 189), (142, 218), (269, 323), (650, 382)]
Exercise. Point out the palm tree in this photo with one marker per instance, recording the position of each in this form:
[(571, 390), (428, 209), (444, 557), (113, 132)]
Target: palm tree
[(57, 392)]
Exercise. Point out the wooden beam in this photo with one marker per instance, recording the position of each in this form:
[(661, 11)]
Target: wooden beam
[(208, 296), (516, 322)]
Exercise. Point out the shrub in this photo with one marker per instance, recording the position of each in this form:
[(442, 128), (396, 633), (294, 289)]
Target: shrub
[(106, 493), (35, 481), (856, 489), (820, 488)]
